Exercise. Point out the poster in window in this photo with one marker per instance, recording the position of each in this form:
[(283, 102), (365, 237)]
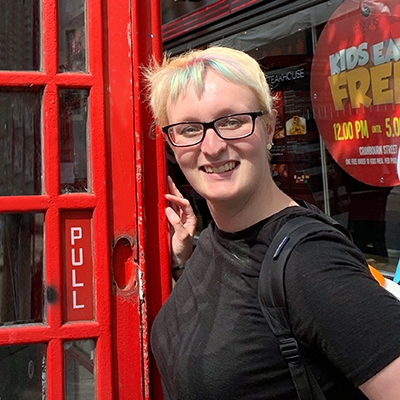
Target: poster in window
[(355, 88)]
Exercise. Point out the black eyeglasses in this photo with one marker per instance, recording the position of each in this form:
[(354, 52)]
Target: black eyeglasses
[(229, 127)]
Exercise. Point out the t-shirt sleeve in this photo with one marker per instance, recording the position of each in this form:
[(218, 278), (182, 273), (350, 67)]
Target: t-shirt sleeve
[(336, 305)]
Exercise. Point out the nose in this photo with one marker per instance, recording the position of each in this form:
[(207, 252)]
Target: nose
[(212, 144)]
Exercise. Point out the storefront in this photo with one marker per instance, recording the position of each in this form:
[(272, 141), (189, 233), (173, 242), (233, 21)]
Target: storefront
[(334, 69)]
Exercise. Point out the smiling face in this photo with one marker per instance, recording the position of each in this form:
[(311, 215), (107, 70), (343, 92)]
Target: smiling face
[(234, 173)]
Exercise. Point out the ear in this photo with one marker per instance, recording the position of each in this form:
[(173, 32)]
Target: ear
[(163, 134), (170, 153), (271, 126)]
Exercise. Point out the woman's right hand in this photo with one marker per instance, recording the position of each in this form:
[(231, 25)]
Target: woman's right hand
[(182, 221)]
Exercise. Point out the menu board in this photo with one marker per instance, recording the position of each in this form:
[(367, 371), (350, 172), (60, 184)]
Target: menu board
[(296, 165)]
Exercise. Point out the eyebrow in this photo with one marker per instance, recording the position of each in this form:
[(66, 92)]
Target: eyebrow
[(224, 113)]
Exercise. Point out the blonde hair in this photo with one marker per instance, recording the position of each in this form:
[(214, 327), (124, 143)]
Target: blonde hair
[(168, 80)]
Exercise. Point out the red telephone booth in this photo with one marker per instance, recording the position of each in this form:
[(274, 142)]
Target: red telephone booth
[(82, 228)]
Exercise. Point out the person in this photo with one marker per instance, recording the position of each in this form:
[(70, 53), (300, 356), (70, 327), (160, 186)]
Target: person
[(210, 339)]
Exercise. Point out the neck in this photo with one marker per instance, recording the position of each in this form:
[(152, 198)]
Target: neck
[(236, 217)]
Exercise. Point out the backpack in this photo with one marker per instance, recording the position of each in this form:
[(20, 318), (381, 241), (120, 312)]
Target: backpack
[(272, 298)]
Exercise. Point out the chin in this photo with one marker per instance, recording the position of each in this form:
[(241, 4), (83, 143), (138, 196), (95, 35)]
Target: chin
[(219, 196)]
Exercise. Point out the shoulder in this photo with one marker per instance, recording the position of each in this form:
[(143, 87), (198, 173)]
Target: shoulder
[(324, 262), (306, 210), (336, 306)]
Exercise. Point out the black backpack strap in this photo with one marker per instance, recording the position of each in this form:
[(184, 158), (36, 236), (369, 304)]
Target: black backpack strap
[(272, 298)]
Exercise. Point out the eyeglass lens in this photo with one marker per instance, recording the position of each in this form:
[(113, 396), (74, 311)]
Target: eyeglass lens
[(230, 127)]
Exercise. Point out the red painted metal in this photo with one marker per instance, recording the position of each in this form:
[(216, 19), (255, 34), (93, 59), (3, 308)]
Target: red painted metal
[(53, 331), (125, 206), (136, 217), (153, 250), (125, 305)]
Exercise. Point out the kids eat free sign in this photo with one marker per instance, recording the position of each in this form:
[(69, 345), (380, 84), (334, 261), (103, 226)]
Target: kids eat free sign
[(355, 89)]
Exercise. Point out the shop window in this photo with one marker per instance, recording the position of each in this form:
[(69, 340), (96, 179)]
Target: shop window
[(174, 9), (301, 164)]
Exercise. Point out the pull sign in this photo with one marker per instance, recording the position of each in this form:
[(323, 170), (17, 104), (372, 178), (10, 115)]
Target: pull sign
[(77, 266)]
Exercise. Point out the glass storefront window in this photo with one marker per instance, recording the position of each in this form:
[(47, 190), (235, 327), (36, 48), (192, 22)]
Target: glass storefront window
[(173, 9), (302, 165)]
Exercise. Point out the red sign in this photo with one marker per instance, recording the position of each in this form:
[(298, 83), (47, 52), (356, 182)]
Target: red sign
[(355, 89), (77, 266)]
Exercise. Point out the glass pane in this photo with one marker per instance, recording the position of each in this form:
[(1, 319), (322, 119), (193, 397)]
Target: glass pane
[(371, 214), (72, 36), (19, 35), (301, 166), (21, 268), (23, 372), (20, 150), (79, 369), (73, 143), (173, 9)]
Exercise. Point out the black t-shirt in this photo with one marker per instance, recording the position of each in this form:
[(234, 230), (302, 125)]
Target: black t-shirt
[(211, 340)]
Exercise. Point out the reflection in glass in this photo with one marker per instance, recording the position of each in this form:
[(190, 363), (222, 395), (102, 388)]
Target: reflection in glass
[(21, 268), (73, 143), (173, 9), (79, 369), (19, 35), (20, 150), (23, 372), (72, 36)]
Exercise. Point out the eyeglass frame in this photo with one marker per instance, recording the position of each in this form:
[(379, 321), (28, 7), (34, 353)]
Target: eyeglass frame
[(207, 125)]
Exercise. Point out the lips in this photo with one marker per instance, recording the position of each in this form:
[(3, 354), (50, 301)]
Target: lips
[(221, 169)]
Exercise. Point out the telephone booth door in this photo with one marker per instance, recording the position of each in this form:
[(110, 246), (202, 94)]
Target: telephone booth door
[(78, 201)]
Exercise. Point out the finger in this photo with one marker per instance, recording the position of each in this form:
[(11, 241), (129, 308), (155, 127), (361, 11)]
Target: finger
[(181, 206), (173, 218), (184, 211), (177, 201), (173, 203), (178, 227), (172, 188)]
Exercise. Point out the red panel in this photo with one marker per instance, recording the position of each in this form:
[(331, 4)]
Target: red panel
[(125, 311), (125, 173), (77, 266), (137, 173), (153, 252)]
